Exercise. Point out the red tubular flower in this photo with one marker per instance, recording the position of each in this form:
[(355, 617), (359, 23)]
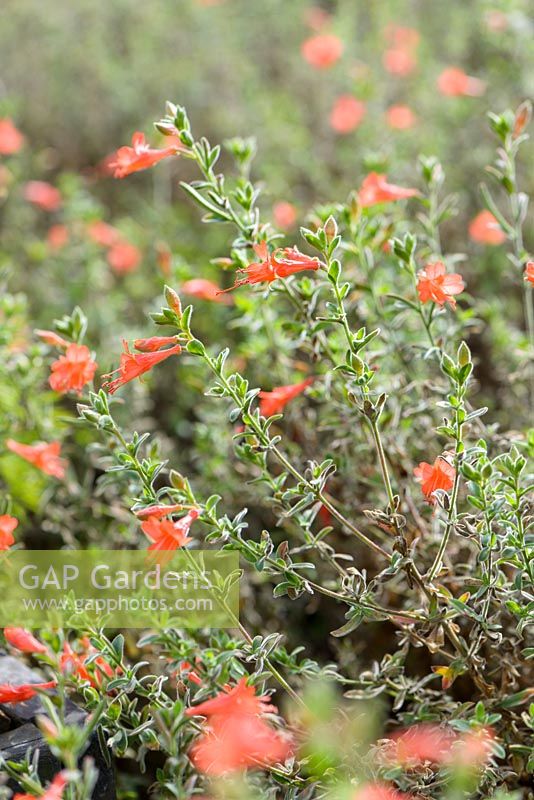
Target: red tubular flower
[(400, 118), (24, 640), (7, 526), (167, 535), (43, 195), (419, 744), (347, 114), (132, 365), (18, 694), (529, 272), (190, 674), (42, 455), (485, 229), (284, 215), (54, 791), (158, 512), (139, 156), (73, 663), (439, 475), (322, 51), (280, 264), (57, 236), (11, 139), (233, 743), (434, 284), (453, 82), (154, 343), (123, 257), (273, 402), (204, 290), (72, 371), (102, 233), (51, 338), (375, 189), (240, 700)]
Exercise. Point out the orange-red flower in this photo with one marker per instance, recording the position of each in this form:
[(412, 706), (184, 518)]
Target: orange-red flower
[(7, 526), (123, 257), (473, 748), (375, 189), (166, 534), (43, 195), (42, 455), (273, 402), (18, 694), (205, 290), (24, 640), (400, 118), (239, 700), (399, 61), (279, 264), (153, 343), (57, 236), (189, 673), (132, 365), (419, 744), (238, 742), (73, 370), (485, 229), (453, 82), (102, 233), (157, 511), (73, 663), (54, 791), (11, 139), (529, 272), (347, 113), (439, 475), (284, 215), (322, 51), (139, 156), (435, 285)]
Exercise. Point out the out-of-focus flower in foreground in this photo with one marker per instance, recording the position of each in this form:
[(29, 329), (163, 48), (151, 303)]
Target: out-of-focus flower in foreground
[(102, 233), (454, 82), (273, 402), (57, 236), (54, 791), (24, 641), (11, 139), (529, 272), (123, 257), (139, 156), (284, 215), (23, 692), (7, 526), (485, 229), (204, 290), (419, 744), (44, 456), (323, 50), (375, 189), (435, 285), (43, 195), (347, 113), (132, 365), (72, 371), (400, 118), (439, 475)]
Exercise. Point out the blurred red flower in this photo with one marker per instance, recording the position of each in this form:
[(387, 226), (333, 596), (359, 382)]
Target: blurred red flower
[(375, 189), (43, 195), (435, 285), (11, 139), (24, 640), (453, 82), (157, 511), (57, 236), (52, 338), (439, 475), (316, 17), (123, 257), (323, 50), (529, 272), (25, 691), (239, 700), (73, 370), (273, 402), (347, 114), (204, 290), (485, 229), (139, 156), (42, 455), (7, 526), (399, 61), (54, 791), (153, 343), (420, 743), (132, 365), (102, 233), (400, 117), (284, 215)]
